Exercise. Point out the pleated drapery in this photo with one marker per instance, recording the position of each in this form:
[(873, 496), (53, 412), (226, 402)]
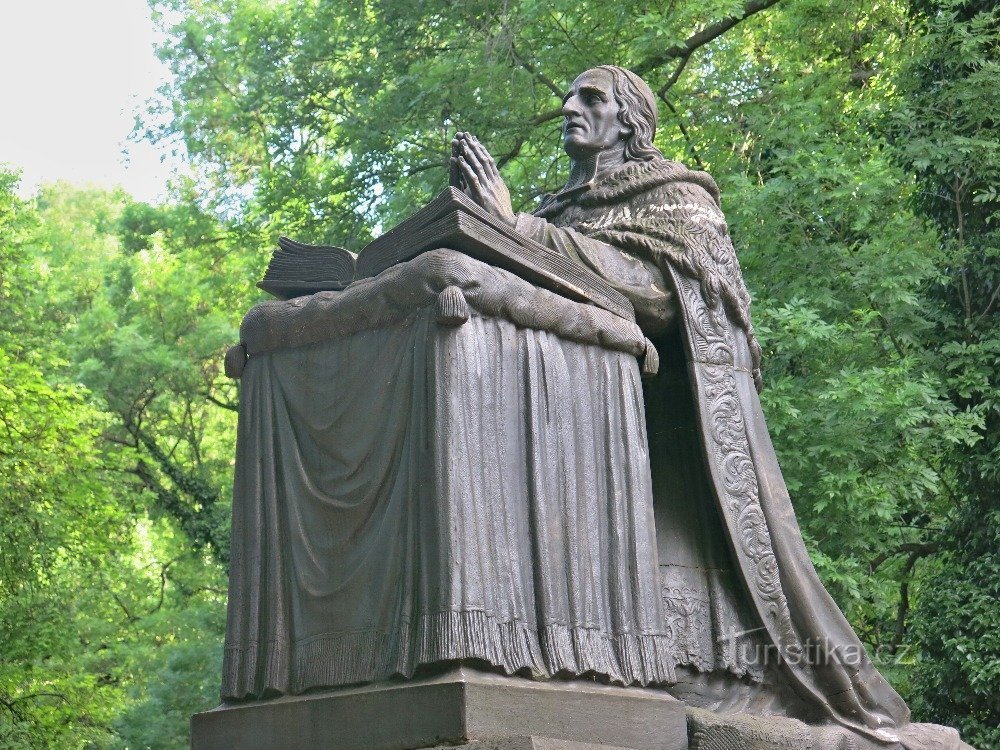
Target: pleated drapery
[(417, 492)]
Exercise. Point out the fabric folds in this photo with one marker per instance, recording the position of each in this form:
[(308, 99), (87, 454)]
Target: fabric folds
[(414, 492)]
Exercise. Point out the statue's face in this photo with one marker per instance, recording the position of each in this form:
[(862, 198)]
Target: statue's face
[(590, 115)]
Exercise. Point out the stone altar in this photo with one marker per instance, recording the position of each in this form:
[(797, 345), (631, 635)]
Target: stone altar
[(415, 491), (447, 467)]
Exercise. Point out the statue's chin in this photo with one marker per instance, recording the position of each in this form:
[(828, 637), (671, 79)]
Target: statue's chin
[(577, 147)]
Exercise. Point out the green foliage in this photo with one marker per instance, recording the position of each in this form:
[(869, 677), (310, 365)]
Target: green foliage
[(947, 134), (99, 577), (331, 120), (177, 665), (146, 307), (60, 526), (955, 681)]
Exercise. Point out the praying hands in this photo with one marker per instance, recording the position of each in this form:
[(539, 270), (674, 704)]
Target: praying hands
[(475, 172)]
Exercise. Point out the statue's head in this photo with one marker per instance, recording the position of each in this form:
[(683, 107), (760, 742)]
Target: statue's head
[(610, 108)]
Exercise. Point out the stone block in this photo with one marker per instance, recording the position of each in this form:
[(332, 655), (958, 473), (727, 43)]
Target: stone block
[(463, 707)]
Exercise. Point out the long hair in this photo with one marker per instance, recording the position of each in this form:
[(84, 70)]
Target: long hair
[(637, 112)]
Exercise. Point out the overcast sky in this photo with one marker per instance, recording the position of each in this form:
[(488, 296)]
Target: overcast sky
[(72, 76)]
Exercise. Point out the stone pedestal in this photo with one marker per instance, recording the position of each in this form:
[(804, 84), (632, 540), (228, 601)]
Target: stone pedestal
[(462, 707)]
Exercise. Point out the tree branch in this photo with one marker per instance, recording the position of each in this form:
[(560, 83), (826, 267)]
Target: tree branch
[(43, 694), (195, 517), (219, 402), (681, 52), (254, 113), (11, 706), (662, 91), (920, 549), (539, 76), (708, 34), (129, 617), (684, 131), (887, 330), (904, 602), (426, 166), (539, 119), (199, 589), (163, 586)]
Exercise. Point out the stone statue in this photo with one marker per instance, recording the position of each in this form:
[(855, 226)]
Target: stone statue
[(735, 575), (446, 465)]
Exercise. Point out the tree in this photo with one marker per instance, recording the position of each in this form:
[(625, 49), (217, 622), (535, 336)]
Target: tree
[(62, 530), (139, 296), (946, 133), (100, 579)]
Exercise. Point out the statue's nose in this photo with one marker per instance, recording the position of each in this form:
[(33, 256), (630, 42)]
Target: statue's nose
[(569, 108)]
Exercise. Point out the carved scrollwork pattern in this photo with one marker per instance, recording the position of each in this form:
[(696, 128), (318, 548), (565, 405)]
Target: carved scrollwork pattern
[(712, 340)]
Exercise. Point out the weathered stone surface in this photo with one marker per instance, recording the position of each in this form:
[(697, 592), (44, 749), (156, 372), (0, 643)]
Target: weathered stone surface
[(462, 706), (417, 493), (528, 743), (711, 731)]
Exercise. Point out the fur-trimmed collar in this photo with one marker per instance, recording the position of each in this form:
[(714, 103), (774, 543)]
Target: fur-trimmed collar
[(639, 176), (632, 179)]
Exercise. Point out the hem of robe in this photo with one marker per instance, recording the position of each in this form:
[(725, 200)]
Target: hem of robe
[(337, 659)]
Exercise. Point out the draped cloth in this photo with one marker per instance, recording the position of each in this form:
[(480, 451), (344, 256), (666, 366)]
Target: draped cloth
[(411, 488)]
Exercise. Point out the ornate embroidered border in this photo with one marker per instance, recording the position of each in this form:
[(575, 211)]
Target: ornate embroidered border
[(712, 340)]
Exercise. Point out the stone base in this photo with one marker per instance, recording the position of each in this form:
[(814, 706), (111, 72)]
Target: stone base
[(463, 707), (527, 743)]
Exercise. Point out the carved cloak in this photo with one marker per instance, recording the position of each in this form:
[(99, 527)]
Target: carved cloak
[(662, 215)]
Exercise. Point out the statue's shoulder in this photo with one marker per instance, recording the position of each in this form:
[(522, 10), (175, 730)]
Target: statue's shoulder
[(653, 180)]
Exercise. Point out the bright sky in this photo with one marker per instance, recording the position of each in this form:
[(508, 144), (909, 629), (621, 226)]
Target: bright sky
[(73, 74)]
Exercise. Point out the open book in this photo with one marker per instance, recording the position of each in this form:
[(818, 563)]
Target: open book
[(451, 220)]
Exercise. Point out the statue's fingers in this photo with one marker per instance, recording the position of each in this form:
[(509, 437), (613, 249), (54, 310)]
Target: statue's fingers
[(485, 159), (471, 178), (460, 146), (465, 165), (454, 173), (472, 156), (477, 166), (485, 156)]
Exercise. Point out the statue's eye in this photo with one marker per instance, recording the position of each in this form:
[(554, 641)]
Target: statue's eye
[(593, 98)]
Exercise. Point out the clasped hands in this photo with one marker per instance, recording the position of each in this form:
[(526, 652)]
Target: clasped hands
[(475, 172)]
